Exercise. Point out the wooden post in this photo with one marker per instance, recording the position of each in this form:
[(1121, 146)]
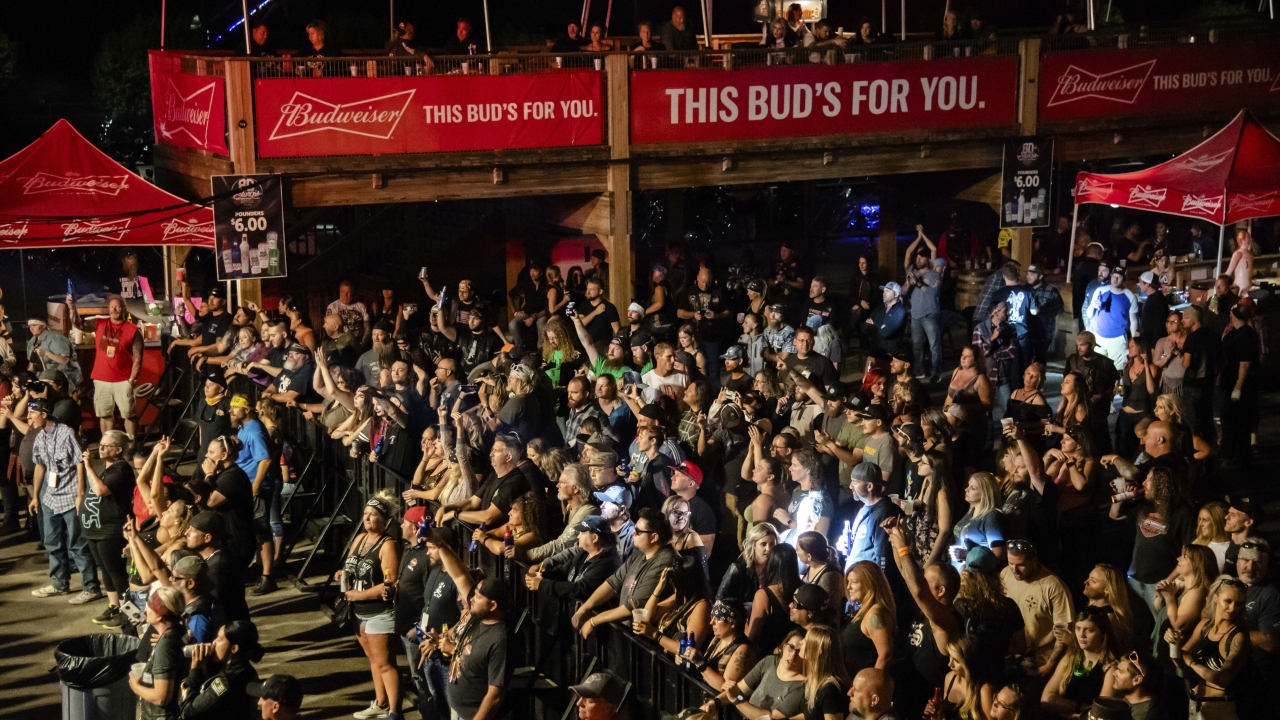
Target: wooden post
[(887, 241), (243, 142), (1028, 90), (1020, 248), (618, 242)]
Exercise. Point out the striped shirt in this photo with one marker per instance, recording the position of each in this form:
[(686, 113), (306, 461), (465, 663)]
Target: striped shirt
[(58, 451)]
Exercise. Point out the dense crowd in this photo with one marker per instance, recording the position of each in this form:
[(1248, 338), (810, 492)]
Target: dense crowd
[(795, 494)]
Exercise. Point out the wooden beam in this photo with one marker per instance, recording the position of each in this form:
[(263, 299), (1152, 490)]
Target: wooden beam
[(1020, 248), (618, 242), (240, 116), (887, 240), (390, 164), (618, 78), (1029, 94), (460, 184)]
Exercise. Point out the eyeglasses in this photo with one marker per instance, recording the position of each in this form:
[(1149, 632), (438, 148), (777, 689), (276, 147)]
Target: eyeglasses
[(680, 514), (640, 531)]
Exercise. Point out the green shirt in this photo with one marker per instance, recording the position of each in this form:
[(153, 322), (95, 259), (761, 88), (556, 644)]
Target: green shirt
[(850, 437), (598, 369)]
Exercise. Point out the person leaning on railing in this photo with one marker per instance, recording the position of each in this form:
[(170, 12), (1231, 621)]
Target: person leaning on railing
[(637, 579), (578, 570), (775, 684), (576, 496)]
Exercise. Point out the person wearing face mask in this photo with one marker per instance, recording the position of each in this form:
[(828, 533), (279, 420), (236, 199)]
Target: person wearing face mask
[(221, 671)]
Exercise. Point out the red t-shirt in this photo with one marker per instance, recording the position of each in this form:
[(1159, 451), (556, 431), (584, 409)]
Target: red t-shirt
[(113, 361), (140, 509)]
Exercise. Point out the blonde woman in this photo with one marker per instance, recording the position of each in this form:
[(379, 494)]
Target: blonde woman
[(1081, 672), (1108, 588), (984, 523), (1170, 408), (1211, 530), (825, 677), (746, 574), (867, 639), (1212, 655), (1184, 593), (559, 356), (970, 687)]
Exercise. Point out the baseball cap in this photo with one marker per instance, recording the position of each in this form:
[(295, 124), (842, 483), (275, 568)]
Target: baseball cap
[(415, 514), (284, 689), (615, 494), (913, 432), (653, 411), (810, 597), (866, 471), (733, 353), (756, 285), (777, 307), (940, 262), (300, 349), (686, 359), (1149, 278), (54, 375), (40, 405), (873, 412), (688, 468), (1109, 708), (730, 416), (209, 522), (602, 685), (982, 560), (1033, 268), (215, 374), (1245, 503), (640, 337), (189, 567), (895, 287), (385, 326), (957, 411), (607, 458), (594, 524), (493, 589), (635, 307), (856, 401), (902, 356), (833, 394), (216, 292), (1254, 548)]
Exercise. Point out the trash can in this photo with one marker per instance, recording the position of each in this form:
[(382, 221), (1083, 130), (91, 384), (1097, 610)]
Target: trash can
[(94, 675)]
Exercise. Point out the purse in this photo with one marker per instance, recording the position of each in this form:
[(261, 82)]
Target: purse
[(344, 616)]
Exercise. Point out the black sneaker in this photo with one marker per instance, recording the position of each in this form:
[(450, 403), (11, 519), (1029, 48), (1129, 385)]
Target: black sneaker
[(265, 585), (107, 615), (118, 621)]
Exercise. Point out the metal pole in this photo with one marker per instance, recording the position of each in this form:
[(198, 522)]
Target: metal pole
[(163, 5), (884, 17), (586, 12), (1107, 17), (1071, 244), (488, 40), (706, 26), (244, 7), (168, 293), (1222, 237), (608, 15), (1089, 9), (904, 20), (392, 14)]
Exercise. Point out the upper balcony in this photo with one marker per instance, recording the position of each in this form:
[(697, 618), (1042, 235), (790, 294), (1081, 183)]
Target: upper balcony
[(363, 128)]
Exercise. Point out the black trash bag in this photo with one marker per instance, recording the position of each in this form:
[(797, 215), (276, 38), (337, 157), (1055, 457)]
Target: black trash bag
[(94, 661)]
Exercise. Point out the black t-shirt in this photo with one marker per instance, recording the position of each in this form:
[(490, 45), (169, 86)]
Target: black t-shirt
[(738, 385), (214, 420), (228, 585), (702, 518), (67, 412), (440, 600), (215, 326), (829, 700), (477, 347), (697, 300), (502, 491), (237, 511), (601, 326), (480, 661), (1202, 346), (821, 371), (166, 663), (1159, 541), (825, 310), (410, 587), (1020, 301), (103, 516), (298, 380)]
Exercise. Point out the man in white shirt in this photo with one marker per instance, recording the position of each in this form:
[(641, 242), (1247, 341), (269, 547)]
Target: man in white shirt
[(663, 373), (354, 316)]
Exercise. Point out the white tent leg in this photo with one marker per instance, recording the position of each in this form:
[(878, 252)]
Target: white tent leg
[(1089, 15), (244, 7), (1222, 237), (488, 41), (1071, 244), (1107, 17)]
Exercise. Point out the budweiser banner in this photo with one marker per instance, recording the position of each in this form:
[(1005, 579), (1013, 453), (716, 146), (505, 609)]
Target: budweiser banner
[(709, 105), (1161, 80), (248, 212), (190, 111), (449, 113)]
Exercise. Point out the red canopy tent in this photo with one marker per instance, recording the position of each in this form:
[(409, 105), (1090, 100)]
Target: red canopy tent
[(1232, 176), (61, 191)]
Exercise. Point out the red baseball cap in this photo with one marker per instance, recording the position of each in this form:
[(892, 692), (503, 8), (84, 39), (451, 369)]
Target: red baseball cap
[(415, 515), (693, 471)]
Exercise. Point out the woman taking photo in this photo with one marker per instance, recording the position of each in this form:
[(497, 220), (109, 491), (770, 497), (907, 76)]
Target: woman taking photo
[(983, 524), (367, 574), (927, 507), (970, 389), (157, 685), (686, 542), (1139, 388), (1183, 595), (770, 619), (220, 672), (746, 575), (867, 638), (775, 686), (1080, 673), (825, 677), (1212, 655)]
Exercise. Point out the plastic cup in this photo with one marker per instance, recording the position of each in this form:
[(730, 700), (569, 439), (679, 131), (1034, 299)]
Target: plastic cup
[(138, 668), (908, 506), (640, 615)]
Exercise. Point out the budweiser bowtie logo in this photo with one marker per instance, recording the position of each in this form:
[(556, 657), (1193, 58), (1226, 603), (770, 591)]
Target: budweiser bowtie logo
[(1204, 163), (1092, 189), (1142, 195), (13, 232), (1120, 86), (187, 114), (1208, 206), (95, 228), (74, 184), (178, 230), (375, 117), (1252, 202)]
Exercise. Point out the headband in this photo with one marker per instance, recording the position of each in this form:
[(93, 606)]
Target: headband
[(157, 605), (380, 506)]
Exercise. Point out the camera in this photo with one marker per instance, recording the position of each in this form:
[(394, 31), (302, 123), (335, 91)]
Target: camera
[(731, 395), (570, 310)]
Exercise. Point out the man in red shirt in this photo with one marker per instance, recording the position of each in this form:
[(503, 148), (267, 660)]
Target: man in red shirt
[(116, 363)]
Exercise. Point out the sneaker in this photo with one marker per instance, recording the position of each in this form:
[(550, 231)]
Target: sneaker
[(922, 377), (265, 586), (85, 597), (373, 712), (119, 620), (107, 615), (48, 591)]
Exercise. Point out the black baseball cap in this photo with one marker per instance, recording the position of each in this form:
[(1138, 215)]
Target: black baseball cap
[(811, 597), (653, 411), (902, 356), (873, 412), (1245, 503), (594, 524), (284, 689), (640, 337), (40, 405), (210, 522), (603, 685)]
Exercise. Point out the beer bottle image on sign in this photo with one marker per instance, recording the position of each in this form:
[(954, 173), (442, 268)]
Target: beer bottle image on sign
[(228, 261), (244, 255), (233, 267), (273, 253)]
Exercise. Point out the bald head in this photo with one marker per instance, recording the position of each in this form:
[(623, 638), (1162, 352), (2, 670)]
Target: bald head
[(704, 278), (872, 694), (1159, 439)]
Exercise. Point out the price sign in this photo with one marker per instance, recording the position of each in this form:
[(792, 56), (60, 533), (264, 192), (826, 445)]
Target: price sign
[(1026, 186), (248, 218)]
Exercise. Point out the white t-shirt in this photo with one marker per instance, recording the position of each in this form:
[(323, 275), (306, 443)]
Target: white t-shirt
[(354, 316), (656, 382)]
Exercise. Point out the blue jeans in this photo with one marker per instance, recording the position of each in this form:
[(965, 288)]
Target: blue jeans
[(62, 538), (273, 512), (925, 327), (429, 681), (1148, 593)]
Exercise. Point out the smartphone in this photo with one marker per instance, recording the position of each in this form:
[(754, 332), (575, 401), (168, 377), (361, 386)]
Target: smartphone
[(731, 395), (469, 389)]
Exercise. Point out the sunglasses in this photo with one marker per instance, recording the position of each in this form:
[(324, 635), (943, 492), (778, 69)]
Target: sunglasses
[(680, 514), (1137, 662)]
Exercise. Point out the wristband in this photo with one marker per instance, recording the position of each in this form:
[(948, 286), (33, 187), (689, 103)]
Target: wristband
[(904, 551)]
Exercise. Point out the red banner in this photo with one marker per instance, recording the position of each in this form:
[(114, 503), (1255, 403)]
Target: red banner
[(1158, 81), (190, 111), (452, 113), (709, 105)]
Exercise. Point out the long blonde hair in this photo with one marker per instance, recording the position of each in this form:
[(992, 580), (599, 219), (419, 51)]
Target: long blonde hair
[(990, 494), (823, 663), (563, 342), (1116, 593), (755, 535), (876, 592), (1217, 511)]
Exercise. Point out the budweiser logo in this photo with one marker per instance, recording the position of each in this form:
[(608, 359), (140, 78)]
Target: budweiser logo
[(94, 227), (13, 232), (177, 230), (1089, 188), (1120, 86), (187, 114), (375, 117), (1251, 202), (1208, 206), (1140, 195), (1204, 163), (75, 184)]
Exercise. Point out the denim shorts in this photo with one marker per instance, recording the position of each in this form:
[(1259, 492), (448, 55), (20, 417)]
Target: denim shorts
[(383, 623)]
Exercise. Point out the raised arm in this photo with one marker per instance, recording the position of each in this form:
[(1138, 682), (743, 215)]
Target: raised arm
[(587, 343)]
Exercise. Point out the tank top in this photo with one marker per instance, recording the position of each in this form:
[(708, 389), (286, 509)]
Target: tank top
[(777, 623), (665, 315), (1085, 685), (719, 652), (1136, 396), (1208, 652), (859, 650), (362, 570)]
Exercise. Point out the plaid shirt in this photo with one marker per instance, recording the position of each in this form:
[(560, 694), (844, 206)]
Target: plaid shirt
[(1001, 353), (689, 430), (577, 416), (987, 295), (57, 450)]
